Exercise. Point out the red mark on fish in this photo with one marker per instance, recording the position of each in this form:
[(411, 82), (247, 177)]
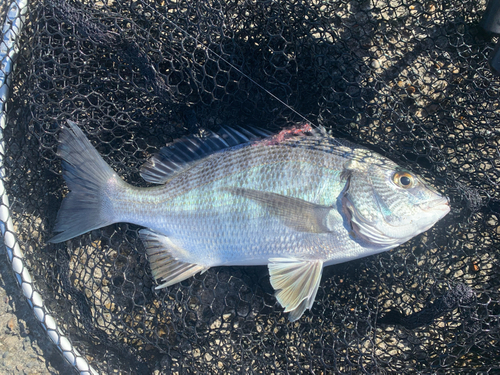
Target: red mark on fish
[(286, 134)]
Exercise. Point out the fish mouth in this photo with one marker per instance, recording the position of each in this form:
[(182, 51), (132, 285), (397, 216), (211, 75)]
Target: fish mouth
[(439, 204)]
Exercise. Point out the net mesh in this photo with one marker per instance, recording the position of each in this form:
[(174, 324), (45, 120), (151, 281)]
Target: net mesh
[(408, 79)]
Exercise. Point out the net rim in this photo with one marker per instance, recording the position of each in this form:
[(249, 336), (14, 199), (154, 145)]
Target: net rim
[(15, 15)]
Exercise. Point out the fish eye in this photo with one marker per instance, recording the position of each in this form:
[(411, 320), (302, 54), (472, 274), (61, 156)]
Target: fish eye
[(404, 180)]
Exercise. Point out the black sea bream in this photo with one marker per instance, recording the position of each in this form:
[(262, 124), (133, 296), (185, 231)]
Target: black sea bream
[(296, 201)]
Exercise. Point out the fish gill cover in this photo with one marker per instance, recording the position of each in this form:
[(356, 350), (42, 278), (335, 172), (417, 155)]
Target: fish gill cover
[(407, 79)]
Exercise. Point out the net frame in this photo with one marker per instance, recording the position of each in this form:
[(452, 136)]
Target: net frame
[(14, 18)]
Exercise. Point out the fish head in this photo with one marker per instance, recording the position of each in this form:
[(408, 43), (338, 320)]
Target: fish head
[(386, 205)]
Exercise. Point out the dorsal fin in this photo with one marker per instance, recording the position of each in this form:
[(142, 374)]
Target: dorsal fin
[(188, 150)]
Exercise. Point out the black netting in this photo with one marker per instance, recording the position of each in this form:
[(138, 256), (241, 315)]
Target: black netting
[(409, 79)]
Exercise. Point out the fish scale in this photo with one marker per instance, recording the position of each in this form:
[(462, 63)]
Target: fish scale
[(296, 201), (211, 208)]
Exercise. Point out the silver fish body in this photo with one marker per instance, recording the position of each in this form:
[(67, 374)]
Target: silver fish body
[(296, 201)]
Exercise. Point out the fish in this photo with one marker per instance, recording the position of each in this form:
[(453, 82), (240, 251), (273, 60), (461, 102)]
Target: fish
[(296, 201)]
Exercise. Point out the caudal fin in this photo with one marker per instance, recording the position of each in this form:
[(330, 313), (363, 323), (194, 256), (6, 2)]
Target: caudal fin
[(87, 176)]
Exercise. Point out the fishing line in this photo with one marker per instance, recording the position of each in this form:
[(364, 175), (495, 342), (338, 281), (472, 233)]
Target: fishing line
[(208, 50)]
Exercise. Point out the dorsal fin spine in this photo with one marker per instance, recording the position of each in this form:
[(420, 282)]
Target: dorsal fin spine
[(179, 155)]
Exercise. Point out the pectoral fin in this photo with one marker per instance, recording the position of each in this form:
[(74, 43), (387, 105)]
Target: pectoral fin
[(295, 213), (163, 256), (296, 282)]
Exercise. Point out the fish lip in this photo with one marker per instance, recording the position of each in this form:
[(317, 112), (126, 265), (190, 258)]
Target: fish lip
[(441, 203)]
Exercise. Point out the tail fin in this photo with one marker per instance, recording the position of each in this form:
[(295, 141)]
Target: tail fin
[(87, 176)]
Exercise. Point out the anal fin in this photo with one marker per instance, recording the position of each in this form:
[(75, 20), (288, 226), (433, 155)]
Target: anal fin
[(163, 259), (296, 282)]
